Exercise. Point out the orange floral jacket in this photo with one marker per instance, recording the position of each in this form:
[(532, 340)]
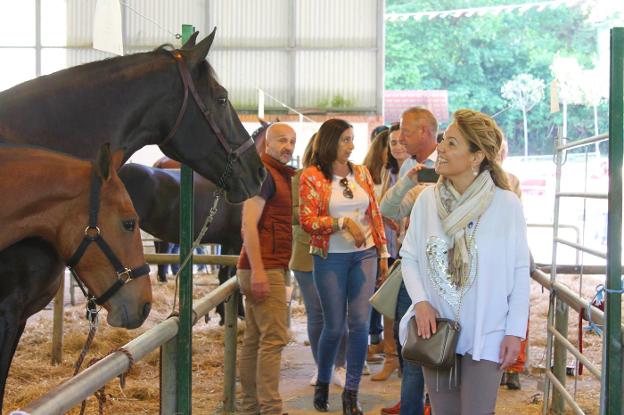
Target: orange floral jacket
[(314, 194)]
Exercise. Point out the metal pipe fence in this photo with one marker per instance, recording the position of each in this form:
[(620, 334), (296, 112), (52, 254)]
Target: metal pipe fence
[(73, 391)]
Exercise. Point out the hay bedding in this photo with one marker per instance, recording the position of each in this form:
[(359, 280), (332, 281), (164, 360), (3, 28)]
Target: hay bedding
[(32, 374)]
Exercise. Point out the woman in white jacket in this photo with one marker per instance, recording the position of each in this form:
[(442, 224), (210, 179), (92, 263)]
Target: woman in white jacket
[(466, 257)]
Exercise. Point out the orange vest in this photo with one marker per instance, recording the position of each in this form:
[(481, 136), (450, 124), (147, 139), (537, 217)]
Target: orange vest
[(275, 224)]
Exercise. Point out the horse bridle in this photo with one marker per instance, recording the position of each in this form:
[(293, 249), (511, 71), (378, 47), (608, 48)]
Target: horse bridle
[(93, 234), (189, 85)]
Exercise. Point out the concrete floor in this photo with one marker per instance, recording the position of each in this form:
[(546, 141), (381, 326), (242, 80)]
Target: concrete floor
[(298, 366)]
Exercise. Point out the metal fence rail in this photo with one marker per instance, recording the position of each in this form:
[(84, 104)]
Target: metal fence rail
[(73, 391), (562, 298)]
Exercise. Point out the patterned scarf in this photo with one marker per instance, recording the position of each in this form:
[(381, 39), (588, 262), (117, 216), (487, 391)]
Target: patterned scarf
[(456, 211)]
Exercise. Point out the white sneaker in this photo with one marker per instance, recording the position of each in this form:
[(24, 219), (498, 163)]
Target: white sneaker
[(365, 369), (314, 377), (340, 376)]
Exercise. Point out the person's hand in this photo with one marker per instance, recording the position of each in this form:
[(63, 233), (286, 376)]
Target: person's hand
[(355, 231), (509, 351), (383, 271), (259, 285), (413, 173), (392, 224), (425, 319)]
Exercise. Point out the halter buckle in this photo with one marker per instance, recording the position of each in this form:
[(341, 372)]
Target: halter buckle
[(125, 275)]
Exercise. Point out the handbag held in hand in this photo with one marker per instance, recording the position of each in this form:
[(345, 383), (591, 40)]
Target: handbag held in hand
[(385, 298), (436, 352)]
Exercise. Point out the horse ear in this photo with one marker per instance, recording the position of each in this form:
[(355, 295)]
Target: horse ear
[(102, 162), (117, 159), (199, 52), (191, 42)]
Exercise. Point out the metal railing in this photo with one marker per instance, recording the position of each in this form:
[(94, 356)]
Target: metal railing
[(561, 297), (164, 335)]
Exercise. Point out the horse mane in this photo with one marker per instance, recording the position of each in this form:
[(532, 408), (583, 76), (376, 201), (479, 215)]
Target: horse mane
[(91, 75)]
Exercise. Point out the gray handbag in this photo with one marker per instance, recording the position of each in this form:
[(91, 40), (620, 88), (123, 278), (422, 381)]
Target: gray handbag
[(385, 298), (436, 352)]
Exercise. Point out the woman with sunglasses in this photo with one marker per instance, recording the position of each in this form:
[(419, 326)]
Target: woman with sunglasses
[(339, 211)]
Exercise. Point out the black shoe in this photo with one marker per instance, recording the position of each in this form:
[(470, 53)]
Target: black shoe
[(321, 392), (513, 381), (350, 405)]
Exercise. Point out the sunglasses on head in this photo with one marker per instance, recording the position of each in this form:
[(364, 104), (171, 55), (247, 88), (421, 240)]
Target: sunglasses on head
[(346, 192)]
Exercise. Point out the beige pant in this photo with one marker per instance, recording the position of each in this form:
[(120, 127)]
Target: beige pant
[(266, 334), (476, 390)]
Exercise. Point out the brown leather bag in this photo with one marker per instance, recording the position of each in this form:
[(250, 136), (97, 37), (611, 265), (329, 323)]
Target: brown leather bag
[(436, 352)]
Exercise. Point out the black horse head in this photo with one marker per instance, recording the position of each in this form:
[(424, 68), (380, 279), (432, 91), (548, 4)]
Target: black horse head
[(133, 101), (212, 108)]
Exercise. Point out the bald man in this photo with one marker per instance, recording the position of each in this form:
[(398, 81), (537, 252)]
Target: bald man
[(262, 269)]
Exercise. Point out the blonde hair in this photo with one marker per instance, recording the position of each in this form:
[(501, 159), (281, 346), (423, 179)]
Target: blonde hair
[(421, 113), (482, 134)]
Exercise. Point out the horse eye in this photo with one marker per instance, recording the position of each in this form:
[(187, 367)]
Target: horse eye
[(222, 100), (129, 225)]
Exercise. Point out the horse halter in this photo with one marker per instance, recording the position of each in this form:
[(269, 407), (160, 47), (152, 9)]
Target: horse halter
[(189, 85), (93, 234)]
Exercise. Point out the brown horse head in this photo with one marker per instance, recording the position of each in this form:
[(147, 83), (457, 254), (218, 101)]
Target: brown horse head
[(118, 227)]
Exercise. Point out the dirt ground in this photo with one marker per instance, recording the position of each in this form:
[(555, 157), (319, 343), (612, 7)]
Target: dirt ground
[(32, 374)]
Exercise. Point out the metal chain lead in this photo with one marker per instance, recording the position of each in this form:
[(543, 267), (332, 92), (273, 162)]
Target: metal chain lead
[(211, 215)]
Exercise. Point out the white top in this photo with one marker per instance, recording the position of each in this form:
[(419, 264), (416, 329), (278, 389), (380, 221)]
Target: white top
[(497, 304), (341, 207)]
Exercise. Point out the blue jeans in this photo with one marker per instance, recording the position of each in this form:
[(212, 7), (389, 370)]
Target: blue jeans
[(345, 282), (412, 382), (315, 316), (375, 328)]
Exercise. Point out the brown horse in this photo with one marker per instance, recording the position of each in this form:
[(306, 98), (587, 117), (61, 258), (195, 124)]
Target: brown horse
[(63, 209), (52, 197)]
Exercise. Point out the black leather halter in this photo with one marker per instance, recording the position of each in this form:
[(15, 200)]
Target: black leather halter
[(189, 85), (93, 234)]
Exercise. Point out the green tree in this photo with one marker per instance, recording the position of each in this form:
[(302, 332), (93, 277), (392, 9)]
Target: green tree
[(472, 57), (524, 92)]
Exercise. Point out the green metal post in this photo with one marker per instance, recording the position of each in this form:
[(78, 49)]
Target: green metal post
[(229, 360), (611, 402), (185, 335), (560, 355)]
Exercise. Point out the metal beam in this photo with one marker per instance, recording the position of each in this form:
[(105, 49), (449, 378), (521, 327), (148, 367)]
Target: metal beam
[(612, 347)]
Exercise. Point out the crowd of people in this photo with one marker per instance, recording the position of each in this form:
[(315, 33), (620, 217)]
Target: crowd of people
[(338, 226)]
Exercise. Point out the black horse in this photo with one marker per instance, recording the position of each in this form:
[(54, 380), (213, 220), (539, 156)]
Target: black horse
[(155, 194), (23, 268), (166, 97)]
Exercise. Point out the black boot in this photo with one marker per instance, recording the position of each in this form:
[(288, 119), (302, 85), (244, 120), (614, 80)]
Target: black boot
[(350, 405), (321, 392)]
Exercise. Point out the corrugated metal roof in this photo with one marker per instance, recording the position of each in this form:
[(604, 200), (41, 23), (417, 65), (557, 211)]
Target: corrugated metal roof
[(334, 23), (241, 73), (251, 23), (324, 57), (336, 79)]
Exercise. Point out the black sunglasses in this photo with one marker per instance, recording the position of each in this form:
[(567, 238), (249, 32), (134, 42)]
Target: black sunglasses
[(347, 192)]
